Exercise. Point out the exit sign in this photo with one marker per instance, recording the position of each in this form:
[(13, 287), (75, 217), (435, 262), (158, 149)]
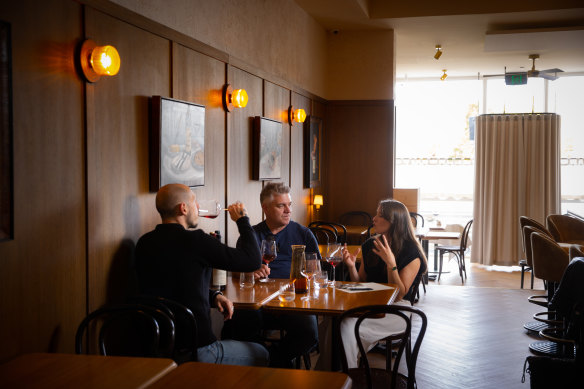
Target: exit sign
[(516, 78)]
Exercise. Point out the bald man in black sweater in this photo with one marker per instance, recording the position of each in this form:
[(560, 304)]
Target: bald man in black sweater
[(175, 263)]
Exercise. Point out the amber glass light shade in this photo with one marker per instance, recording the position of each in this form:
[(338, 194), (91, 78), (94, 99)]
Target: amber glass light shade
[(239, 98), (105, 60), (299, 115)]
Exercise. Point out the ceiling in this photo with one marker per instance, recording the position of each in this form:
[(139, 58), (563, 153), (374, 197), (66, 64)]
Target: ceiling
[(461, 29)]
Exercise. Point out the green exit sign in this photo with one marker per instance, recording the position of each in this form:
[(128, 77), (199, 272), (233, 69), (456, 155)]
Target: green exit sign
[(516, 78)]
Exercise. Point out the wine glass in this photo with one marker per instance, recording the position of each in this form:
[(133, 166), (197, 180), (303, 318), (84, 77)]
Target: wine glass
[(209, 208), (310, 268), (268, 254), (334, 256)]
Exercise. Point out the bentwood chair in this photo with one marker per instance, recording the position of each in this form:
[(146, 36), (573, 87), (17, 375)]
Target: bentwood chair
[(458, 252), (324, 235), (368, 377), (126, 330), (339, 229), (417, 219), (185, 345)]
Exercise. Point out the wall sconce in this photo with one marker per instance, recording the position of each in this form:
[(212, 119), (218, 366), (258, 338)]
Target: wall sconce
[(233, 98), (97, 61), (318, 201), (297, 115), (443, 77), (438, 53)]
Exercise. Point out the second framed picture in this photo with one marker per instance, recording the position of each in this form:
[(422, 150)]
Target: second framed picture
[(312, 151), (267, 149)]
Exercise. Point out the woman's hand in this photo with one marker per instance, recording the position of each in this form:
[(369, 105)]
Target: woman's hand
[(348, 258), (384, 251)]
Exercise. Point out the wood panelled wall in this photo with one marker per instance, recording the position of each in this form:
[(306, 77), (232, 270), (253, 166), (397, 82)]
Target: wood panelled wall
[(81, 159), (359, 144)]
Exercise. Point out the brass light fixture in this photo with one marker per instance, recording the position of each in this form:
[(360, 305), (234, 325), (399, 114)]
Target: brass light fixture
[(234, 98), (97, 61), (298, 115), (438, 53), (443, 77)]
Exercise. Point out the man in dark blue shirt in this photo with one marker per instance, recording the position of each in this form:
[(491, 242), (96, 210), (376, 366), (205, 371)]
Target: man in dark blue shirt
[(301, 331)]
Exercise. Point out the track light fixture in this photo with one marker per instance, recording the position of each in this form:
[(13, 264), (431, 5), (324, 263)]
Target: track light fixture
[(438, 53), (443, 77)]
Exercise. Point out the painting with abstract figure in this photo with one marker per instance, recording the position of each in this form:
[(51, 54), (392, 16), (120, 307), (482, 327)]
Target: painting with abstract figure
[(267, 149), (181, 142)]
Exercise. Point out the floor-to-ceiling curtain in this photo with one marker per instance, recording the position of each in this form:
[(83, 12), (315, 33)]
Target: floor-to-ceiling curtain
[(517, 173)]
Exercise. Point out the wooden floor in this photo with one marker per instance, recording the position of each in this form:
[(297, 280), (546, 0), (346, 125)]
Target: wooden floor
[(475, 336)]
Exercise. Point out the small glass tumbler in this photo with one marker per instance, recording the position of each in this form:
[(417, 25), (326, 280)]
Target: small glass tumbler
[(246, 280), (287, 293)]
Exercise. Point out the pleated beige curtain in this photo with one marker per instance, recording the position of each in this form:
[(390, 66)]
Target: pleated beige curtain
[(517, 173)]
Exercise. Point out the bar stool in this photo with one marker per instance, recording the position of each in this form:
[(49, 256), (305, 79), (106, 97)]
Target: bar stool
[(549, 263), (542, 299), (526, 264)]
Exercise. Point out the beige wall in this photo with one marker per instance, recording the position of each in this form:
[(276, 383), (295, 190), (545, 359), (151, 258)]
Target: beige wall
[(361, 65), (275, 36)]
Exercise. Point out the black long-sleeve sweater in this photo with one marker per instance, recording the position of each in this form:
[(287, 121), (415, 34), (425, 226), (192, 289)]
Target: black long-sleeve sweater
[(176, 263)]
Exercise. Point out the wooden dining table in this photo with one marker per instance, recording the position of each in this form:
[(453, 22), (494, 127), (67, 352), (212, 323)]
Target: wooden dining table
[(329, 303), (48, 370), (428, 234), (206, 375)]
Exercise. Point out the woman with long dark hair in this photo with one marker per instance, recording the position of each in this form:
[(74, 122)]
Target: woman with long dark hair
[(393, 256)]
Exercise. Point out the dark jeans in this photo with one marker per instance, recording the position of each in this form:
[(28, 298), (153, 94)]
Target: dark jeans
[(301, 333)]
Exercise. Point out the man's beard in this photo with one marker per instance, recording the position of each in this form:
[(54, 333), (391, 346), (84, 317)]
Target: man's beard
[(193, 225)]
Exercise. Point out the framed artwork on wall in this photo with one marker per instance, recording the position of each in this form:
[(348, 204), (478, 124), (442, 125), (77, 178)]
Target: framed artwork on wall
[(312, 151), (267, 149), (6, 156), (177, 143)]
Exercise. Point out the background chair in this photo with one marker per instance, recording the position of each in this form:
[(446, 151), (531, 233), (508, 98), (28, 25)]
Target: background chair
[(526, 264), (566, 229), (185, 345), (356, 218), (339, 229), (324, 235), (417, 219), (458, 252), (127, 330), (368, 377), (549, 263)]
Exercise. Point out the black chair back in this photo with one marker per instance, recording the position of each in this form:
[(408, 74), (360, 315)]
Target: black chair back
[(185, 345), (417, 219), (367, 375), (464, 238), (127, 330), (324, 235), (339, 229)]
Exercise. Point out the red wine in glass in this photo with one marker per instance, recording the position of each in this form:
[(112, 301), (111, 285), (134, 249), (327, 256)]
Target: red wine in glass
[(269, 253), (267, 258), (334, 256)]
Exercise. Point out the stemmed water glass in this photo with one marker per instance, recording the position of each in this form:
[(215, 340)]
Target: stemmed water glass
[(334, 256), (268, 255), (310, 268)]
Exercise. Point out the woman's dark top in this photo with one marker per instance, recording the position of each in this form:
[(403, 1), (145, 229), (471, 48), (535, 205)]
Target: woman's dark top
[(375, 268), (176, 263)]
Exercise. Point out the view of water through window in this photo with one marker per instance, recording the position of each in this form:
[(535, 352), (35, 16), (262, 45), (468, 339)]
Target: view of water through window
[(435, 137)]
